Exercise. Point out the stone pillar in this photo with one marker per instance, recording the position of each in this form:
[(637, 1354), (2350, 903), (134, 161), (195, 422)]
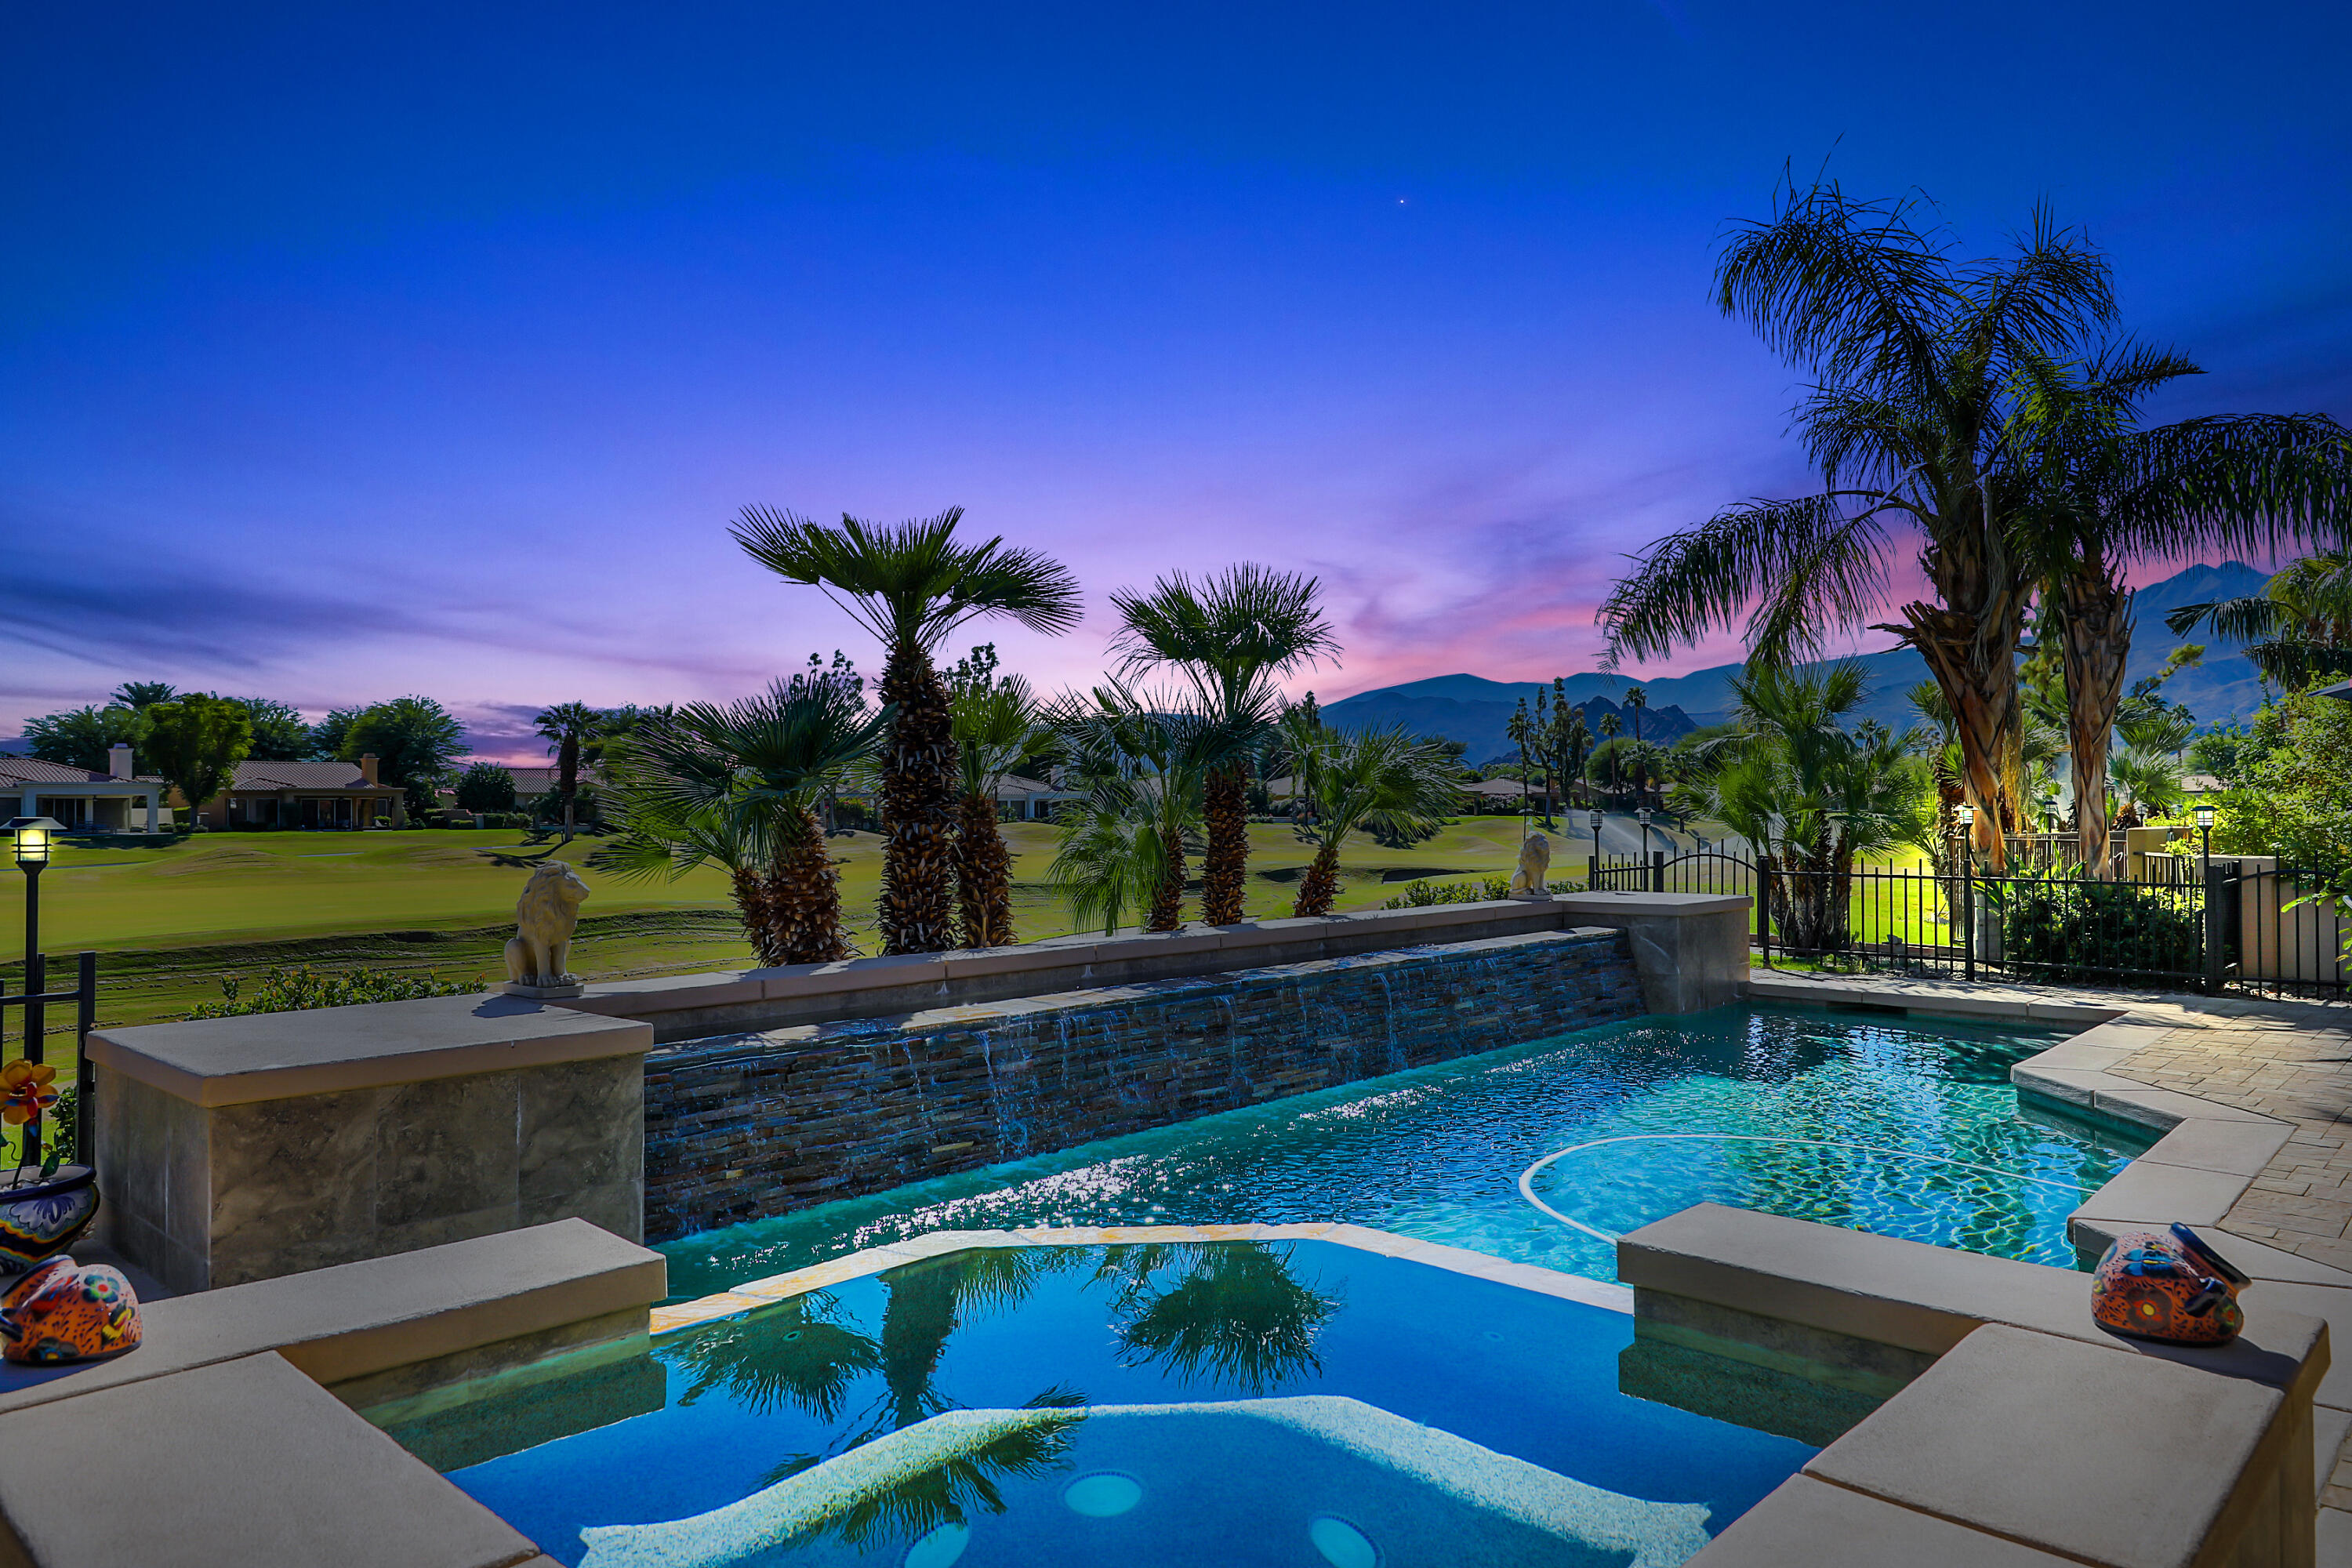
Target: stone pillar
[(1689, 949), (230, 1150)]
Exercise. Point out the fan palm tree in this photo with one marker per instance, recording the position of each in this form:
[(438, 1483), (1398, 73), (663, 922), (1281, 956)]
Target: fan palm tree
[(736, 786), (2298, 629), (566, 727), (1917, 361), (2112, 495), (910, 585), (1231, 636), (999, 728), (1360, 777), (1147, 761), (1520, 729), (1610, 728)]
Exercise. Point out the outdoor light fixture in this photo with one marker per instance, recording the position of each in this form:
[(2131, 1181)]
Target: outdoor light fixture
[(33, 836), (2205, 817), (2205, 842), (1965, 816), (1642, 816), (1596, 827)]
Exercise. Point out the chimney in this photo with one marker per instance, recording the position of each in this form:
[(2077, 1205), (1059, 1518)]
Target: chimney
[(118, 761), (367, 766)]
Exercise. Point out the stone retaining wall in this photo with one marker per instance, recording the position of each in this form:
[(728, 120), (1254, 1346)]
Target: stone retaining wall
[(741, 1126)]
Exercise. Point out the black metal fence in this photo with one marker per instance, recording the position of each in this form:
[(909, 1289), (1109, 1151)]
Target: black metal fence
[(2173, 923)]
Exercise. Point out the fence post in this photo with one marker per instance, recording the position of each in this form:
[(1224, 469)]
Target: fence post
[(85, 1080), (1657, 871), (2214, 953), (1592, 873), (1967, 918)]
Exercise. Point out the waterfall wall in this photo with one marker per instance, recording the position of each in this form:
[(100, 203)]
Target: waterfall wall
[(739, 1127)]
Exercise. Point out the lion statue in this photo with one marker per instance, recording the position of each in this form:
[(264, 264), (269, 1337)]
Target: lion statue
[(1535, 859), (540, 952)]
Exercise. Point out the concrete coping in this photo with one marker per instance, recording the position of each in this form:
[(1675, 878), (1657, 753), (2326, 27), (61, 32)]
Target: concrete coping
[(322, 1050), (1925, 999), (1921, 1298), (357, 1319)]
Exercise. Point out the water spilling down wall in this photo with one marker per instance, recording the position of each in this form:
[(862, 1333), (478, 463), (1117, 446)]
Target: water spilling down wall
[(739, 1127)]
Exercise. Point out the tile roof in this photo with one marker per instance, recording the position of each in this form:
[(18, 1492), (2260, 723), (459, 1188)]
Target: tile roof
[(32, 770), (300, 775)]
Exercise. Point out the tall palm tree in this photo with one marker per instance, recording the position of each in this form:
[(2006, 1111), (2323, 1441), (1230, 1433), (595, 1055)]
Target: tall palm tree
[(1360, 777), (910, 585), (566, 727), (736, 785), (2298, 629), (1520, 728), (1918, 361), (1231, 636), (1146, 761), (2111, 495), (999, 728), (1610, 730)]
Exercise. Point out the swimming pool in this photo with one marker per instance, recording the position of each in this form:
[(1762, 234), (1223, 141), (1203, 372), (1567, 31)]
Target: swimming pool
[(1544, 1153), (1291, 1405)]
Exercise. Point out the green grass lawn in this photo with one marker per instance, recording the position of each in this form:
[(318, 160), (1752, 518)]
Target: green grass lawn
[(170, 919)]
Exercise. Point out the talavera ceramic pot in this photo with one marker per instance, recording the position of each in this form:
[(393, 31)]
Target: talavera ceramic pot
[(42, 1216)]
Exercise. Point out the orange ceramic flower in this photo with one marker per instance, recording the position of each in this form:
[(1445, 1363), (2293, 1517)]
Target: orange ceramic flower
[(24, 1091)]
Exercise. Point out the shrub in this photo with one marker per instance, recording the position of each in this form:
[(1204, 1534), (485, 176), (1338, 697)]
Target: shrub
[(302, 986), (2076, 930)]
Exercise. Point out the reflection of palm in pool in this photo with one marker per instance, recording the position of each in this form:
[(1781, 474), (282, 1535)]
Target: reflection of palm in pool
[(1802, 1191)]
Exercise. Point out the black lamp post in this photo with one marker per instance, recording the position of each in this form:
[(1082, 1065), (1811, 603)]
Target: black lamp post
[(33, 834), (1642, 816), (2204, 837)]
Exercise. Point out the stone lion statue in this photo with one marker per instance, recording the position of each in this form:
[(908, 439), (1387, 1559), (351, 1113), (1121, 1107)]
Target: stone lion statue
[(1535, 859), (540, 952)]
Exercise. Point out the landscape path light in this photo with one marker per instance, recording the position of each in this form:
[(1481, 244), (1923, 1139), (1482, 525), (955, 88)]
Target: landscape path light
[(2205, 836), (34, 838)]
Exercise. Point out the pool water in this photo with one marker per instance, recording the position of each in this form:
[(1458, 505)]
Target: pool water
[(1294, 1404), (1545, 1152)]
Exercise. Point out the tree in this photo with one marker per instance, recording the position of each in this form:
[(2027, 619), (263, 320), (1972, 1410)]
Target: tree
[(140, 695), (736, 785), (1520, 731), (1607, 755), (565, 728), (194, 743), (1231, 634), (1146, 758), (999, 728), (82, 737), (1810, 795), (2110, 495), (2298, 629), (1362, 776), (327, 736), (279, 731), (485, 787), (910, 585), (1921, 367), (413, 739)]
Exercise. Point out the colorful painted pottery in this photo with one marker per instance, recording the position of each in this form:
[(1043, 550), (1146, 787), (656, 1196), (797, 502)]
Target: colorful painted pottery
[(62, 1312), (2168, 1286), (42, 1216)]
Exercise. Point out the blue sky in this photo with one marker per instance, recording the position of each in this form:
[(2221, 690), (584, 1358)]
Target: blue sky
[(349, 351)]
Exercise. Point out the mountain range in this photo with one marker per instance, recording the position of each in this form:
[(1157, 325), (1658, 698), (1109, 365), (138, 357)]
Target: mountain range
[(1476, 711)]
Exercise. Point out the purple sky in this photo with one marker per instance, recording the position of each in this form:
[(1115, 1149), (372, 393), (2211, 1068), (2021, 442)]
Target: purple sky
[(348, 354)]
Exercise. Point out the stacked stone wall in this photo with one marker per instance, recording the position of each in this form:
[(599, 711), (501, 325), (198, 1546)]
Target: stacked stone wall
[(746, 1126)]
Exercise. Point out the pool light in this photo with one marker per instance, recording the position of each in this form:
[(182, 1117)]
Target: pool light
[(1341, 1544), (1106, 1494)]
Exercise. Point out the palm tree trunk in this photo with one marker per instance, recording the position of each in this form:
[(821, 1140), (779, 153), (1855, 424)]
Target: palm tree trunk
[(919, 792), (756, 909), (2095, 629), (1168, 897), (1224, 869), (1320, 886), (983, 875), (567, 768), (804, 890), (1978, 675)]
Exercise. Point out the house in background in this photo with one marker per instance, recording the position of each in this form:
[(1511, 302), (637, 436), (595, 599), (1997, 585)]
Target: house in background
[(304, 794), (114, 800)]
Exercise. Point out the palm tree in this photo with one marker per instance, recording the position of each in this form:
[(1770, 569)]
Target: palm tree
[(1919, 364), (1810, 795), (565, 727), (736, 786), (1231, 635), (2298, 629), (1362, 776), (1635, 700), (2111, 495), (1147, 761), (1521, 729), (910, 585), (999, 728), (1610, 728)]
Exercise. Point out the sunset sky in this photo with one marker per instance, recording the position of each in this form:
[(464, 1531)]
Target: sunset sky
[(348, 352)]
